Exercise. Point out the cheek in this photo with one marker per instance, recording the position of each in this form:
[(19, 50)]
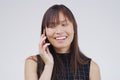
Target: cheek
[(49, 32), (71, 31)]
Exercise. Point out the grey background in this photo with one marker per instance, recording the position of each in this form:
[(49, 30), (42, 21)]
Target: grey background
[(98, 26)]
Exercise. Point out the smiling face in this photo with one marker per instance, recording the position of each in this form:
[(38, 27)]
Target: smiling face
[(60, 34)]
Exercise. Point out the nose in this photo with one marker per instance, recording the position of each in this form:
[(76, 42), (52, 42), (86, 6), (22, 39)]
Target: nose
[(58, 30)]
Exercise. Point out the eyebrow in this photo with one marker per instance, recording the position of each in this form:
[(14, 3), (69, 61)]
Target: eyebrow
[(59, 22), (65, 20)]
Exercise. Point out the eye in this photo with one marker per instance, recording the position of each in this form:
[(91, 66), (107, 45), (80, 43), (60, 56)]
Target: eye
[(51, 26), (64, 24)]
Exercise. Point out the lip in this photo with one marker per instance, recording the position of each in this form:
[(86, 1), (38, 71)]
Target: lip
[(60, 39)]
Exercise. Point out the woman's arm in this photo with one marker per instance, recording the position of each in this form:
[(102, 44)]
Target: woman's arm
[(31, 70), (94, 71), (47, 58), (47, 72), (31, 64)]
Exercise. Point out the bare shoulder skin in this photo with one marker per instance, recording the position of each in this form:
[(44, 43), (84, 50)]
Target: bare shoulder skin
[(94, 71), (31, 68)]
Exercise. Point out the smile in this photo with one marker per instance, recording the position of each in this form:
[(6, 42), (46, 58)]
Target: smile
[(61, 39)]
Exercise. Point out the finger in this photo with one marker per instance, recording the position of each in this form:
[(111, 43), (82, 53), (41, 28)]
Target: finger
[(48, 50), (42, 41), (42, 35), (45, 47)]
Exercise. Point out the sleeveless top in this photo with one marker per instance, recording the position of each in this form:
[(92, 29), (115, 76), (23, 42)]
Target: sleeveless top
[(82, 71)]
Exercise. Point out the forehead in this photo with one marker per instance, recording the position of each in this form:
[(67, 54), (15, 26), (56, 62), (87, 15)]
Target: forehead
[(62, 17), (56, 17), (59, 18)]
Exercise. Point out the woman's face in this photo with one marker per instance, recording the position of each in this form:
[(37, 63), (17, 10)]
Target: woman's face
[(61, 35)]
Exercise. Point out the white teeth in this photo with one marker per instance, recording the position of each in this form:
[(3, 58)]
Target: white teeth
[(60, 38)]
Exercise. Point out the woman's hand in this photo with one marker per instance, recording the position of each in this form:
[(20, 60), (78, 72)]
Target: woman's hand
[(44, 51)]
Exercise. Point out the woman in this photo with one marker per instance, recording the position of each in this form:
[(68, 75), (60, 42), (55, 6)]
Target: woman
[(59, 56)]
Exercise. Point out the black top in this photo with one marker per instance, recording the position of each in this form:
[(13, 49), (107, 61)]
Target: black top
[(82, 71)]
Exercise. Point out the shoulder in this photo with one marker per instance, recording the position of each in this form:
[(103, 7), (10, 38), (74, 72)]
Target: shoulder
[(31, 62), (31, 68), (94, 71), (94, 66), (32, 58)]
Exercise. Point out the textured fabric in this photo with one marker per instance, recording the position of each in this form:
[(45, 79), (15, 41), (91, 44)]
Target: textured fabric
[(38, 65), (82, 71)]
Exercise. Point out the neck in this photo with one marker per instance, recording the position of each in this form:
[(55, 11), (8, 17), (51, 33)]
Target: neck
[(62, 50)]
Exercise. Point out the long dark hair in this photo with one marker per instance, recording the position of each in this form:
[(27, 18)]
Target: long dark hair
[(52, 15)]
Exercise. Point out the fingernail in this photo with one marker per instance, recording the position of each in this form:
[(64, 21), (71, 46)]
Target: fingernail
[(48, 43)]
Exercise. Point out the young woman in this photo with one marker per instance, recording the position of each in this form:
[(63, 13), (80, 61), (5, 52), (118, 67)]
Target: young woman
[(59, 55)]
